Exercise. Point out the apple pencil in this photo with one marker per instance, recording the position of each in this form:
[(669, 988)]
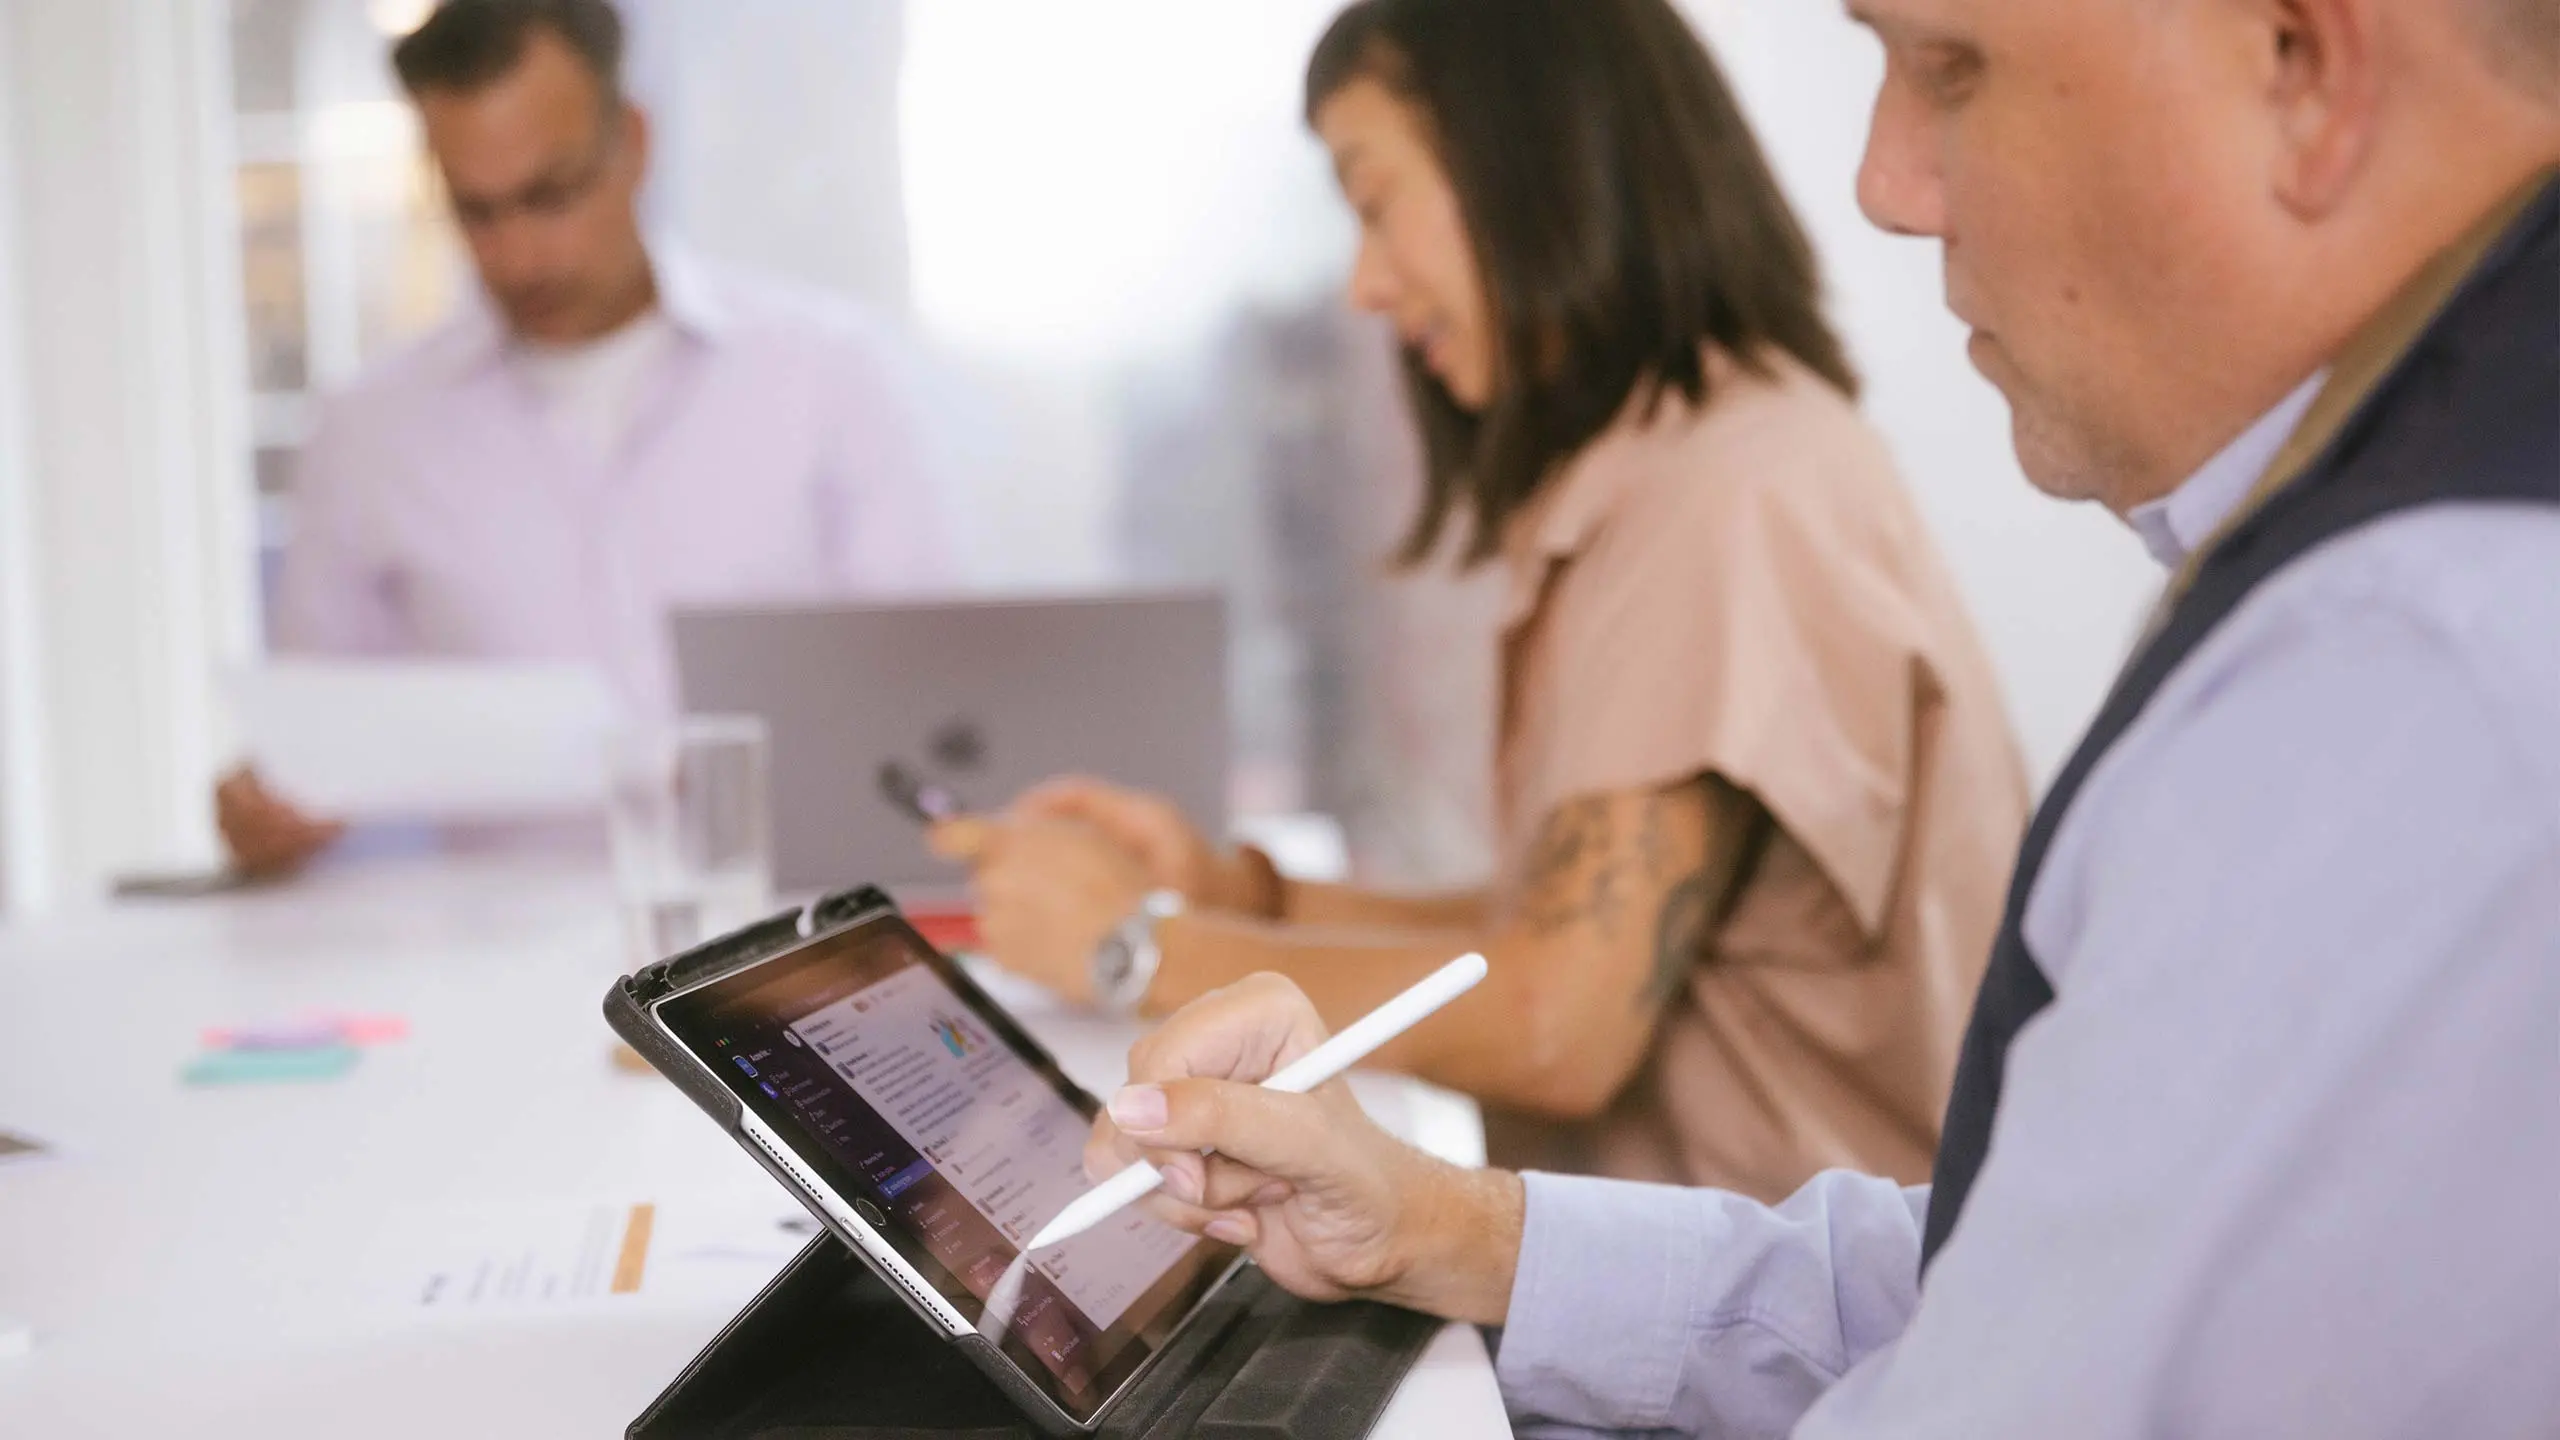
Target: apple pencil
[(1305, 1073)]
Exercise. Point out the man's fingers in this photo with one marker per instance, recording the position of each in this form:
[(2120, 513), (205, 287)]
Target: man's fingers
[(1235, 1227), (1227, 1185), (1245, 1031), (1217, 1182), (1177, 1214), (275, 849), (264, 833), (1185, 1176), (1289, 1137)]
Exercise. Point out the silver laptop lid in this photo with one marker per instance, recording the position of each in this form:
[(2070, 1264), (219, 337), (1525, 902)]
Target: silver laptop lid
[(987, 697)]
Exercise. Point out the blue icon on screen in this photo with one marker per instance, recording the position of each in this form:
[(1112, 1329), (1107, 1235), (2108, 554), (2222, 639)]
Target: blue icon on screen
[(744, 1065), (896, 1185), (767, 1087)]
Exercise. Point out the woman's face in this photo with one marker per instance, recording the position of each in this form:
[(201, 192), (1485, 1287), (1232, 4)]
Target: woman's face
[(1416, 266)]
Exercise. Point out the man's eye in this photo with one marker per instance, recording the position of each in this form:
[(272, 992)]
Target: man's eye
[(1949, 75)]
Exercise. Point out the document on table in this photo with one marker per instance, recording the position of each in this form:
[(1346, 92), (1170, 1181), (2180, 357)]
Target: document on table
[(572, 1254), (428, 740)]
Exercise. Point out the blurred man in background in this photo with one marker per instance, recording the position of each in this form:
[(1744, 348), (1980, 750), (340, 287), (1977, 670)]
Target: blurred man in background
[(614, 429)]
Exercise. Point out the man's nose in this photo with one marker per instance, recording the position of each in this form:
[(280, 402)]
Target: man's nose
[(1899, 186)]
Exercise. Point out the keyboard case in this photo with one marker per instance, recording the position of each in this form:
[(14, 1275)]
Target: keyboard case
[(832, 1351)]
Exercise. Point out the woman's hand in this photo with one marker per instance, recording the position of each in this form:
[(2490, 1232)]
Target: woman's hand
[(1330, 1205), (1048, 892), (1175, 855)]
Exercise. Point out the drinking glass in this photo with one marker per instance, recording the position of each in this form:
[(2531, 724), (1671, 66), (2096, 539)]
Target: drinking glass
[(690, 816)]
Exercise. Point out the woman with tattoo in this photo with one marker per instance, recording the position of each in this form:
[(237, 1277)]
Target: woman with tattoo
[(1756, 789)]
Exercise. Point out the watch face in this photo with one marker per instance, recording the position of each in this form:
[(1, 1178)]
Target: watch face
[(1112, 960)]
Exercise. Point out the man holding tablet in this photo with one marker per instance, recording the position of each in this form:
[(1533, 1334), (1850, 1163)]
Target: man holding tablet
[(2252, 1131), (937, 1138)]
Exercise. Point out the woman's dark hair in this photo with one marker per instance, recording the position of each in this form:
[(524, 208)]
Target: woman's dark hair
[(1622, 215)]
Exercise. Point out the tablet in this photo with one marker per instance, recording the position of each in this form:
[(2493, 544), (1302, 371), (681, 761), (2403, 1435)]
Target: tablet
[(916, 1119)]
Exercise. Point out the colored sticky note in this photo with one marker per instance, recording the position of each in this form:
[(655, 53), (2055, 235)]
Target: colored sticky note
[(380, 1029), (292, 1035), (269, 1067), (310, 1032)]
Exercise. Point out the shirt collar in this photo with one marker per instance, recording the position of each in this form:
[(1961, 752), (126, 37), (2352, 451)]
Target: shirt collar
[(686, 296), (1561, 519), (686, 292), (2175, 526), (1569, 510)]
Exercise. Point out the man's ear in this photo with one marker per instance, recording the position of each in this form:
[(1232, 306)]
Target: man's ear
[(635, 136), (2323, 89)]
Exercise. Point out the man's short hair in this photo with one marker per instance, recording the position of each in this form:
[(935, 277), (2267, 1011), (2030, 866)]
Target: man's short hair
[(467, 44), (2523, 36)]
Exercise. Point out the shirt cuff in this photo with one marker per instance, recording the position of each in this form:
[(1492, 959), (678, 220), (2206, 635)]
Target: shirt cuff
[(1601, 1258)]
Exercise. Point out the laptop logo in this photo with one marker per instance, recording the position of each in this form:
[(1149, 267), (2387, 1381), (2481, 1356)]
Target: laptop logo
[(958, 745)]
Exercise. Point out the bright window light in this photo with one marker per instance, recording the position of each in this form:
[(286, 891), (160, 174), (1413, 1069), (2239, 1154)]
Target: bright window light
[(1107, 180), (398, 17)]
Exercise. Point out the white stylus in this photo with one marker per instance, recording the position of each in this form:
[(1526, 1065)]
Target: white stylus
[(1308, 1071)]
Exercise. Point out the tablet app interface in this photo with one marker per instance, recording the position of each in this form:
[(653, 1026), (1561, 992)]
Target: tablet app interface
[(963, 1146), (984, 1120)]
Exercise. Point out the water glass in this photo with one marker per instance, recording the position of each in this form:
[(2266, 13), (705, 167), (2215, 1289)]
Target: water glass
[(690, 813)]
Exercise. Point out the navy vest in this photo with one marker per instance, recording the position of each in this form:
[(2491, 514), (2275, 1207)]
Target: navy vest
[(2470, 413)]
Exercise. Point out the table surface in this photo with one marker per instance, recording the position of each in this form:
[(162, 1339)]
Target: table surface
[(228, 1261)]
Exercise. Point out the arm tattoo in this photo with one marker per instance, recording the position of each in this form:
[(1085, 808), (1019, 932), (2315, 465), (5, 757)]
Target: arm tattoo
[(1577, 872), (1680, 937), (1622, 866), (1738, 829)]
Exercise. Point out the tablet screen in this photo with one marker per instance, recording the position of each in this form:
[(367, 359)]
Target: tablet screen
[(907, 1091)]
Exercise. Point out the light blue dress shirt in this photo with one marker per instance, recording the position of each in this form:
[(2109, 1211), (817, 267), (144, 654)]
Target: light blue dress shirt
[(2283, 1156)]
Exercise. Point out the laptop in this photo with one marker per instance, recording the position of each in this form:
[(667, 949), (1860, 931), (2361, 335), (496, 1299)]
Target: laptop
[(986, 698)]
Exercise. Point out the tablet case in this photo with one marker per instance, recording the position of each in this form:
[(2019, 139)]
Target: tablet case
[(823, 1354)]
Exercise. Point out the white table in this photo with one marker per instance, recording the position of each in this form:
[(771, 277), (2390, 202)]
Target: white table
[(210, 1262)]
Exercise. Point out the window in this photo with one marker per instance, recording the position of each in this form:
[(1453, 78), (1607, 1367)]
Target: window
[(1120, 258)]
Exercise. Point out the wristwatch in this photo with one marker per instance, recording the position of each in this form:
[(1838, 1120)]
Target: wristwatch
[(1124, 964)]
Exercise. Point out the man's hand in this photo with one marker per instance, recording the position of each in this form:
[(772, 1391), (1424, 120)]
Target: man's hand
[(1047, 893), (266, 835), (1330, 1205), (1175, 854)]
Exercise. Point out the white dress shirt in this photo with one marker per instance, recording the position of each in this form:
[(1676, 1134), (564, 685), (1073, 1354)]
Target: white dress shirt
[(592, 392), (473, 499), (2283, 1156)]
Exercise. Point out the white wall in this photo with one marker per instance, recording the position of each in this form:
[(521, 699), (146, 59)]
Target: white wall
[(124, 498), (1066, 236), (25, 858), (2059, 590), (776, 144)]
